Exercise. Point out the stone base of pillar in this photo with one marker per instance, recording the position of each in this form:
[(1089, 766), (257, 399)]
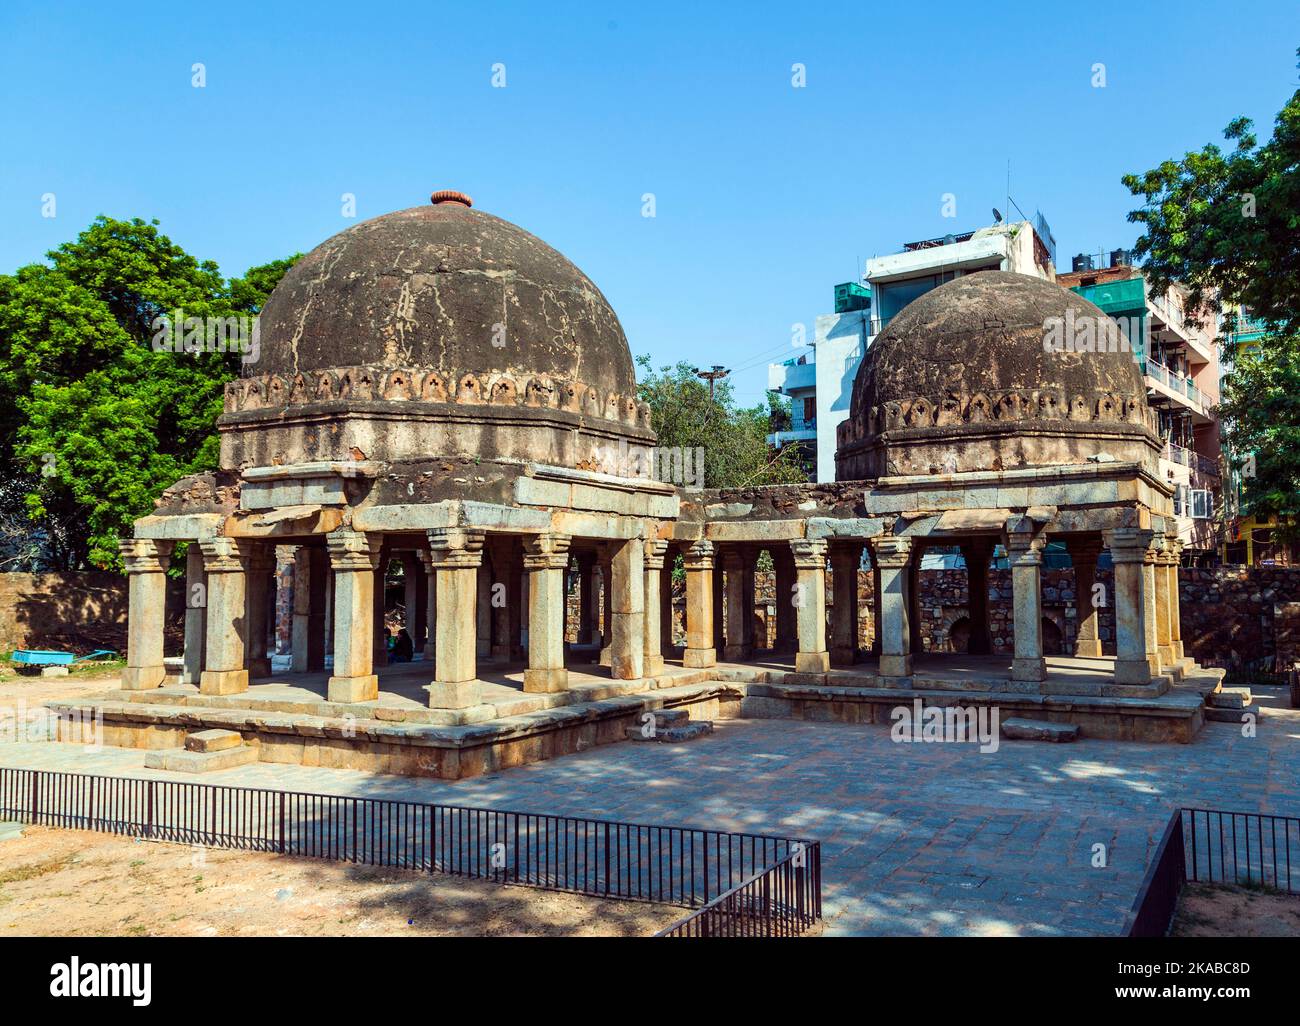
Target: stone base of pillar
[(353, 689), (1136, 671), (812, 662), (606, 655), (842, 656), (223, 682), (259, 667), (460, 695), (1166, 655), (699, 657), (895, 666), (1177, 646), (653, 665), (184, 677), (1032, 669), (142, 678), (737, 653), (546, 681), (1087, 648)]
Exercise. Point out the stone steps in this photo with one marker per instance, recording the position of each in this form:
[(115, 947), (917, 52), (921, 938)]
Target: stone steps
[(671, 725), (1231, 698), (205, 751), (1020, 729), (1222, 714)]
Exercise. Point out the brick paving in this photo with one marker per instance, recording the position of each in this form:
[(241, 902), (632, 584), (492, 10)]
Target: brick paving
[(917, 838)]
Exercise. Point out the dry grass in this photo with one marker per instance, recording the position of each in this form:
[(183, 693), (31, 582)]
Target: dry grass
[(1214, 910), (78, 883)]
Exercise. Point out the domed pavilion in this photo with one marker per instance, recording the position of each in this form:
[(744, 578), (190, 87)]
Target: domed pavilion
[(439, 391)]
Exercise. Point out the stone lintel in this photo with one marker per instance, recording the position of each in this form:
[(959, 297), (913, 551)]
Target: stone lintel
[(285, 522), (754, 530), (315, 469), (597, 496), (185, 527)]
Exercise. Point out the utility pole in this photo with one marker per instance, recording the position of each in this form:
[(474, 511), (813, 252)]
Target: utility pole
[(712, 376)]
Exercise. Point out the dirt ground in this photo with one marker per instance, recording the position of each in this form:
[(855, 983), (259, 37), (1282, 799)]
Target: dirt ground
[(1206, 910), (79, 883), (36, 690)]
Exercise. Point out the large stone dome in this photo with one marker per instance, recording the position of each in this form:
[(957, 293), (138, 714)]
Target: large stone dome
[(417, 316), (970, 376)]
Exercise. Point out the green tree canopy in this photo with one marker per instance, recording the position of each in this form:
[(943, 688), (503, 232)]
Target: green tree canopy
[(733, 439), (1227, 225), (96, 421)]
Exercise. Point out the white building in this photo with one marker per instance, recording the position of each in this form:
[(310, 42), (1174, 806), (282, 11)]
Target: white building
[(820, 383)]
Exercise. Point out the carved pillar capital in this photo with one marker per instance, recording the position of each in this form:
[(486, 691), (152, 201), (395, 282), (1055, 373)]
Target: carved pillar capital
[(548, 551), (700, 555), (892, 550), (145, 555), (353, 550), (225, 555), (455, 548), (655, 551), (809, 553)]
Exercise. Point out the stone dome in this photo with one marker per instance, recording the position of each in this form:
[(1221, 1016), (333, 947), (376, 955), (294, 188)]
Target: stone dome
[(437, 308), (978, 374)]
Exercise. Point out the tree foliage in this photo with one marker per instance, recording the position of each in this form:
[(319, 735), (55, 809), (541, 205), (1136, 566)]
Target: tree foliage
[(93, 420), (733, 438), (1227, 225)]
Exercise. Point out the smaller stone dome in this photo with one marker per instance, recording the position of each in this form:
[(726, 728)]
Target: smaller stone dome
[(982, 373)]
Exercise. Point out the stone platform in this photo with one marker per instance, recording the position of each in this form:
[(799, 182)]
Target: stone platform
[(287, 718)]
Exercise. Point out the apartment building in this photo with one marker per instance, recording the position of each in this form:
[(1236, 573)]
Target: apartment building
[(1178, 353)]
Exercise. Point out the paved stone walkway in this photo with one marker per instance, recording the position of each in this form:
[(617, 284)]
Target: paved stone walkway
[(917, 838)]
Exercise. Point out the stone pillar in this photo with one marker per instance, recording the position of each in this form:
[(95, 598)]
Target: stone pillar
[(877, 618), (430, 604), (607, 607), (196, 615), (698, 563), (515, 605), (224, 671), (356, 559), (719, 600), (546, 556), (653, 658), (379, 596), (1136, 659), (1084, 550), (146, 566), (810, 605), (628, 564), (416, 600), (844, 615), (976, 552), (310, 579), (787, 637), (456, 555), (666, 604), (588, 598), (503, 567), (733, 565), (749, 567), (1149, 598), (1025, 544), (1164, 635), (1175, 607), (891, 555), (259, 596), (914, 641)]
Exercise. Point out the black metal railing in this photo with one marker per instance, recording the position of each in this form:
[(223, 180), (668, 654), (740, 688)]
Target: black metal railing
[(1249, 849), (783, 900), (1246, 849), (680, 866)]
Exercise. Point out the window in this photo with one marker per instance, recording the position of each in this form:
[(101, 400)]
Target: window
[(1202, 504), (810, 410)]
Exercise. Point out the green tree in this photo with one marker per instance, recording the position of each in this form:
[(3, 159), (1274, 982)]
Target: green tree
[(1227, 225), (94, 417), (734, 439)]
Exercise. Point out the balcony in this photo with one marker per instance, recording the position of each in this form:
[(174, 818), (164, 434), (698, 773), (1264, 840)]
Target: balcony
[(805, 432), (1169, 384), (1193, 461), (791, 377), (1189, 331)]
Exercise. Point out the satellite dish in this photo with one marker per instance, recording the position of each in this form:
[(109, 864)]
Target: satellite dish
[(997, 216)]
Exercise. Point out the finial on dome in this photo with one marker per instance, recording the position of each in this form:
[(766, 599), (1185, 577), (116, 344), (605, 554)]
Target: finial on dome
[(450, 196)]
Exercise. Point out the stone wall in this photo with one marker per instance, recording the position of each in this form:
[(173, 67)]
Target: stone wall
[(78, 612), (1233, 615)]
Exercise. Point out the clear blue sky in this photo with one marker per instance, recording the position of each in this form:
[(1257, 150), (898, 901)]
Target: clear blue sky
[(766, 195)]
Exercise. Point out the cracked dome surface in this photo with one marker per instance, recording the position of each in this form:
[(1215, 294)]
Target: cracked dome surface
[(445, 287), (983, 333)]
